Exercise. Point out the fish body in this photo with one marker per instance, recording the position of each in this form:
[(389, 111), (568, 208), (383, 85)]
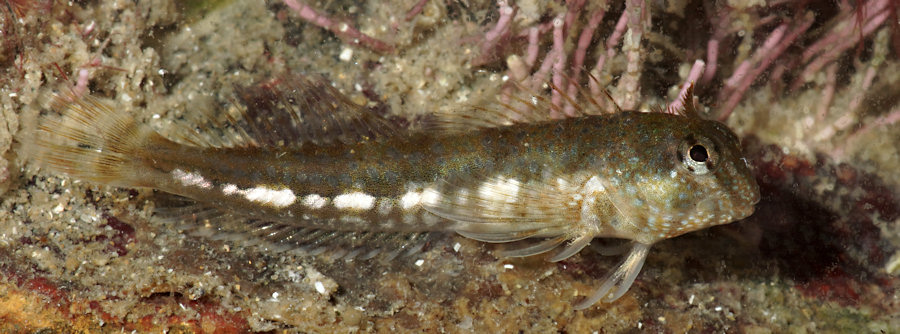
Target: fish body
[(306, 159)]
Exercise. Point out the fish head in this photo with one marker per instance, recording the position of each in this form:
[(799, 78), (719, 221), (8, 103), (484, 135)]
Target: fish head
[(687, 174), (709, 155)]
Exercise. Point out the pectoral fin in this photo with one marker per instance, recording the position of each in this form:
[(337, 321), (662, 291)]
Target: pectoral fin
[(501, 209)]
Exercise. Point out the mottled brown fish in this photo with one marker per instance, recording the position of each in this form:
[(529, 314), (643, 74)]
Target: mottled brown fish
[(303, 164)]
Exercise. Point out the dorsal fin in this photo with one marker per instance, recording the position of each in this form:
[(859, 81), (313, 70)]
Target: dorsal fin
[(523, 105), (288, 112), (683, 106)]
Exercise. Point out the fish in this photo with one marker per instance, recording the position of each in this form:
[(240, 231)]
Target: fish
[(298, 162)]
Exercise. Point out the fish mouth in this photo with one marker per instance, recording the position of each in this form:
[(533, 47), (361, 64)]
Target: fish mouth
[(745, 201), (743, 204), (754, 189), (747, 209), (745, 212)]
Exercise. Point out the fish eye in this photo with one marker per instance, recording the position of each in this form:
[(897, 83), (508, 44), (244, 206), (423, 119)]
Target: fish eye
[(698, 155)]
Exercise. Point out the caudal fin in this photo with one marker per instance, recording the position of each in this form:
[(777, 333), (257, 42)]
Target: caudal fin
[(91, 141)]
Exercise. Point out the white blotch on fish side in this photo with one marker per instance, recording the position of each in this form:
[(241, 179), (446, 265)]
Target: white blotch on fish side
[(230, 189), (354, 201), (410, 200), (314, 201), (191, 179), (278, 198)]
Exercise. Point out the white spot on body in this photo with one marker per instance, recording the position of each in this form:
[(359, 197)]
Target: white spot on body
[(410, 200), (278, 198), (191, 179), (354, 201), (314, 201)]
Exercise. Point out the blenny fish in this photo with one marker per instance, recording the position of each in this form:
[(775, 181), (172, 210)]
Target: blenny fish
[(298, 161)]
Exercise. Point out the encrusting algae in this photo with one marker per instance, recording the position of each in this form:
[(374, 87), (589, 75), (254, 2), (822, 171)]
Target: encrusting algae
[(302, 166)]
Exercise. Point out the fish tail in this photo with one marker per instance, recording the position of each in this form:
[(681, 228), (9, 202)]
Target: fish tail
[(93, 142)]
